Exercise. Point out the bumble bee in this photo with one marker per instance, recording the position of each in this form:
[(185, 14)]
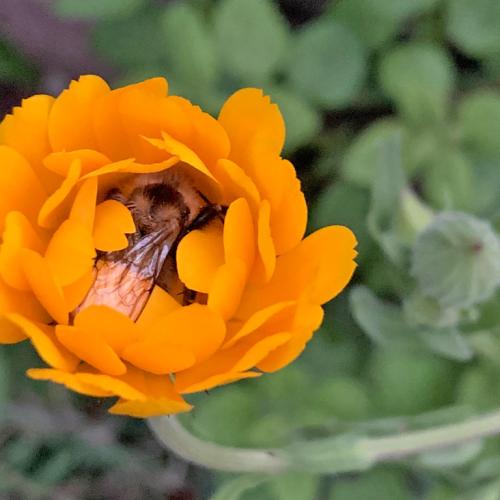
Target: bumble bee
[(165, 206)]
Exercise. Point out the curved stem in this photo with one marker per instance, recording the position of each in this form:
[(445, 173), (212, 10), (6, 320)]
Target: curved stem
[(329, 455), (176, 438)]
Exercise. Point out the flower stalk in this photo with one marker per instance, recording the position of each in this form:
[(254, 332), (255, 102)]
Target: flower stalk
[(345, 453)]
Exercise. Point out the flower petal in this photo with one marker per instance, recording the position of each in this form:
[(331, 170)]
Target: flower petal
[(113, 221), (20, 187), (70, 120), (149, 408), (193, 329), (199, 254), (60, 161), (227, 288), (116, 329), (252, 123), (77, 291), (70, 380), (25, 130), (83, 209), (45, 342), (320, 266), (45, 288), (18, 234), (57, 206), (266, 257), (90, 347), (160, 303), (236, 184), (239, 234), (218, 380), (70, 253), (309, 318), (246, 354)]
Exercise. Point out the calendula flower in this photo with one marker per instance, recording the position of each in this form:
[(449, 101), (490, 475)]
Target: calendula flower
[(150, 250)]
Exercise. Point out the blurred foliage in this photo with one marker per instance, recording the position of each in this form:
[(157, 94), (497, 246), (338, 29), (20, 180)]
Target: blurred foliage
[(393, 121)]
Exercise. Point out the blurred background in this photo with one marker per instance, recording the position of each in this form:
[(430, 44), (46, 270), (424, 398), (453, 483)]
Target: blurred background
[(392, 110)]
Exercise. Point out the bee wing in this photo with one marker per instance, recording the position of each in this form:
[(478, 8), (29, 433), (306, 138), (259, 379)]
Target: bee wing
[(124, 280)]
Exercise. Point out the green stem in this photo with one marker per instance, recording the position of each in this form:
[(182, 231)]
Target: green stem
[(329, 455)]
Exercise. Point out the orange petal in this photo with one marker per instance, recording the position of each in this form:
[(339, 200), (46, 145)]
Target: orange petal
[(57, 206), (266, 258), (194, 328), (218, 380), (77, 291), (239, 234), (21, 302), (113, 221), (70, 380), (18, 234), (20, 188), (45, 343), (320, 266), (243, 356), (252, 123), (177, 148), (90, 347), (199, 254), (60, 161), (115, 328), (160, 303), (261, 318), (83, 209), (149, 408), (45, 288), (70, 253), (236, 184), (227, 288), (110, 124), (158, 357), (309, 318), (25, 130), (70, 120), (207, 137)]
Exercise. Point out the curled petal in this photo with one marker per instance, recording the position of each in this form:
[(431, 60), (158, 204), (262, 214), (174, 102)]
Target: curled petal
[(113, 221), (57, 206), (199, 254), (266, 256), (60, 161)]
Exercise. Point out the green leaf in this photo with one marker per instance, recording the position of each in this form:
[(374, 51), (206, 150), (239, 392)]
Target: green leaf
[(478, 387), (387, 189), (474, 26), (235, 488), (421, 310), (479, 121), (449, 180), (96, 9), (251, 38), (379, 484), (294, 486), (419, 78), (302, 120), (327, 64), (189, 51), (358, 165), (383, 322), (456, 260), (448, 342), (377, 21)]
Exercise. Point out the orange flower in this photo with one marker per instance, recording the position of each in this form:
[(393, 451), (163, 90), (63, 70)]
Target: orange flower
[(256, 285)]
